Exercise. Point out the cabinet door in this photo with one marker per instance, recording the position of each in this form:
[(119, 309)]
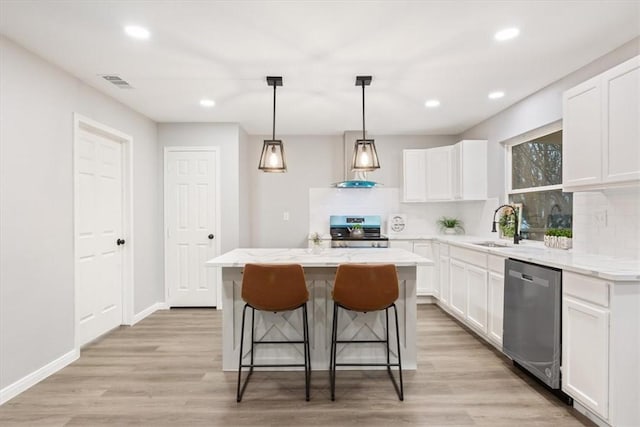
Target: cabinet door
[(445, 283), (477, 297), (439, 173), (585, 354), (496, 301), (458, 287), (581, 135), (425, 274), (621, 122), (456, 171), (414, 175), (436, 270)]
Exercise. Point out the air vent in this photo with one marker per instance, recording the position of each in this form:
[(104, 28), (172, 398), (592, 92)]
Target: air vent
[(117, 81)]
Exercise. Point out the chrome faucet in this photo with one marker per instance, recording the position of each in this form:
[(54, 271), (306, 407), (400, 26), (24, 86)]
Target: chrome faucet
[(516, 231)]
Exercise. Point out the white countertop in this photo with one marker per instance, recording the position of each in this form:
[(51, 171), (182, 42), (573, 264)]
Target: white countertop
[(326, 257), (605, 267)]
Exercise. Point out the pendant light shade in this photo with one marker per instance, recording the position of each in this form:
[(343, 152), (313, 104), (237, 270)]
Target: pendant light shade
[(272, 158), (365, 156)]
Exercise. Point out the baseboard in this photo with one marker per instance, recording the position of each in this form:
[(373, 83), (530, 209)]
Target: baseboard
[(12, 390), (148, 311)]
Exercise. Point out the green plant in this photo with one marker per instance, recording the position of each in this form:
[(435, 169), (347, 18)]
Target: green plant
[(507, 222), (452, 223), (356, 227), (559, 232)]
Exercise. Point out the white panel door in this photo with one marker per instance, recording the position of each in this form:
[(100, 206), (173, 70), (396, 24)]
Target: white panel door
[(496, 306), (414, 175), (439, 186), (99, 227), (190, 202), (458, 278), (621, 122), (477, 297), (581, 135), (585, 354)]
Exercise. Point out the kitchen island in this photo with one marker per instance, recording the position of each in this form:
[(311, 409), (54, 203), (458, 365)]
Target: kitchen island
[(320, 269)]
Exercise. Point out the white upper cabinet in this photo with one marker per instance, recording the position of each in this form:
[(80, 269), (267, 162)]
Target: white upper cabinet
[(439, 173), (414, 165), (601, 129), (452, 172)]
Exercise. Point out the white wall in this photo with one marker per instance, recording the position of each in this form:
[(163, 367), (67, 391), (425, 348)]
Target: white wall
[(537, 110), (36, 207), (225, 136), (245, 205)]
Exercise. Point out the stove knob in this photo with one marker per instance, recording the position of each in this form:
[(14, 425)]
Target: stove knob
[(374, 244)]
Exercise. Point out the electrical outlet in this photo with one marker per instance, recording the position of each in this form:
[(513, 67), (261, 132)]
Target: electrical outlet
[(285, 216)]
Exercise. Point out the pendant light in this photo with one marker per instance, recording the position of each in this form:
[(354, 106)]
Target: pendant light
[(365, 157), (272, 157)]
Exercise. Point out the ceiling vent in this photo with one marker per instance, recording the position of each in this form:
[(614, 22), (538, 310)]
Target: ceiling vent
[(117, 81)]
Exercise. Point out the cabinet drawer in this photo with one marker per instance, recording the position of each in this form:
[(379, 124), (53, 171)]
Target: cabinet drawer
[(469, 256), (496, 264), (585, 287)]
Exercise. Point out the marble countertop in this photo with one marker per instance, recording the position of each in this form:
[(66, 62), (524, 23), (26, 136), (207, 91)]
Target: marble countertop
[(604, 267), (326, 257)]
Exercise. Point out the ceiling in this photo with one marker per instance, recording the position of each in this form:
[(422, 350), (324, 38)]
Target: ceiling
[(414, 50)]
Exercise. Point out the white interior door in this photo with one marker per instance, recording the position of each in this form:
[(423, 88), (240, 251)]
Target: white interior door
[(190, 209), (99, 225)]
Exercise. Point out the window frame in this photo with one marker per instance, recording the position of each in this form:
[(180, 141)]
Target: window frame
[(521, 139)]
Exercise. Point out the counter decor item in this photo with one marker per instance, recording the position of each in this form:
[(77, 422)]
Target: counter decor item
[(558, 238), (450, 225), (316, 242), (356, 232), (396, 224)]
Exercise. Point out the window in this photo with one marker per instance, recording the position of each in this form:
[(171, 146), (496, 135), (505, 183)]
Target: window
[(535, 167)]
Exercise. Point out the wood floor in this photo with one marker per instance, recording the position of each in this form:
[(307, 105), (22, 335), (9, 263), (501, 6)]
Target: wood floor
[(166, 370)]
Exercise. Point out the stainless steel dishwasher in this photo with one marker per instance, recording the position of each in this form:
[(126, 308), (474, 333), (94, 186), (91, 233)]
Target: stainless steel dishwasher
[(532, 316)]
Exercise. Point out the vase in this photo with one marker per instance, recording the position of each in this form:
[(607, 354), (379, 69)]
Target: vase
[(449, 231)]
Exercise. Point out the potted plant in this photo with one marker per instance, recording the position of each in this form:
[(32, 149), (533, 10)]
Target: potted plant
[(561, 238), (450, 225), (316, 242), (356, 232)]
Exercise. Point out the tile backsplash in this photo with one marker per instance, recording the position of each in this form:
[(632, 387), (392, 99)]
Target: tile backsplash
[(607, 222)]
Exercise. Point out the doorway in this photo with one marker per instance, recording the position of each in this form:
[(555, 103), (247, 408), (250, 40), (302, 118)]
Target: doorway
[(191, 206), (102, 229)]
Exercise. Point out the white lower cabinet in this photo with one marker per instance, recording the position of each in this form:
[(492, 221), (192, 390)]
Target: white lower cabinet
[(585, 355), (443, 275), (496, 307), (425, 275), (601, 347), (458, 279), (477, 297)]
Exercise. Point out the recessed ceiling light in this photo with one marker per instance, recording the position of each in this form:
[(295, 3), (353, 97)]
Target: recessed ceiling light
[(207, 102), (496, 95), (506, 34), (432, 103), (137, 32)]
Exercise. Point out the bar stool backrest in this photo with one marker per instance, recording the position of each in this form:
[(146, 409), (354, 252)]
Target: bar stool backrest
[(274, 287), (366, 287)]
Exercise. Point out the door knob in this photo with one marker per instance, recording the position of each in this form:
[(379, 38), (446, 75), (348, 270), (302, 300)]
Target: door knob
[(210, 236), (120, 242)]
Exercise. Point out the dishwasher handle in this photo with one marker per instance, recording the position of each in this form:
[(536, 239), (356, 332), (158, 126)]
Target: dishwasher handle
[(528, 278)]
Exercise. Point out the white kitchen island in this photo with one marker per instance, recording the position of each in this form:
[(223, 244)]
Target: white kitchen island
[(320, 269)]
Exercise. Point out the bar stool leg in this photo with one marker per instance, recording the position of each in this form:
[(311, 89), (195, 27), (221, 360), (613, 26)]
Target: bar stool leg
[(307, 354), (332, 362), (239, 392), (401, 391)]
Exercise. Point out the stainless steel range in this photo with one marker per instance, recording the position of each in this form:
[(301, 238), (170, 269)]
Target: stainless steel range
[(345, 234)]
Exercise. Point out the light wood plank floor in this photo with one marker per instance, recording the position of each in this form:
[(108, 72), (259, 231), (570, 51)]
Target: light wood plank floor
[(166, 370)]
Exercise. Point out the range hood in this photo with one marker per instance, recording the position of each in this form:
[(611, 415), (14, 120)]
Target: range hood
[(353, 179)]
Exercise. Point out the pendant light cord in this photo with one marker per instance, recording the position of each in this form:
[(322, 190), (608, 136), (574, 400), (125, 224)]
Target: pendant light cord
[(363, 132), (273, 132)]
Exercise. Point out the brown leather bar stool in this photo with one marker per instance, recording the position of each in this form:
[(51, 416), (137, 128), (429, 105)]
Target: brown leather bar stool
[(275, 288), (365, 288)]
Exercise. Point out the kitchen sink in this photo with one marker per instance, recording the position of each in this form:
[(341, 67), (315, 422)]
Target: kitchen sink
[(491, 244)]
